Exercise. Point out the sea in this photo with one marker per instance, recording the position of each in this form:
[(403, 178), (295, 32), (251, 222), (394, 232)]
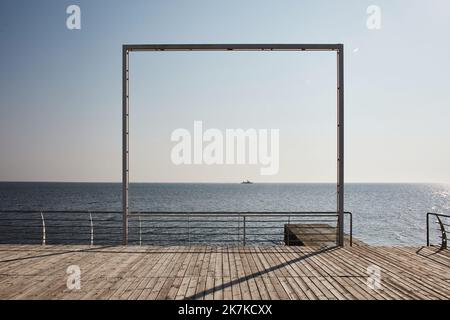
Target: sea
[(383, 213)]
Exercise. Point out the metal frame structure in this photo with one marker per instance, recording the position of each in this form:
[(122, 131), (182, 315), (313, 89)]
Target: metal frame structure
[(338, 48)]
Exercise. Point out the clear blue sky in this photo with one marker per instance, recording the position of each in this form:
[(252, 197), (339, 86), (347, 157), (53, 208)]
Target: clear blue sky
[(60, 89)]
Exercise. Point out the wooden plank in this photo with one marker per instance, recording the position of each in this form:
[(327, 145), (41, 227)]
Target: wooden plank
[(210, 275), (203, 272), (218, 275), (234, 276), (262, 290)]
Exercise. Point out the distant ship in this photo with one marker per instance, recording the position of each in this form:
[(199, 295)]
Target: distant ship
[(246, 182)]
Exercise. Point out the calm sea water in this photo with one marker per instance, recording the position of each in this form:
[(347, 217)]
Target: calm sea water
[(384, 214)]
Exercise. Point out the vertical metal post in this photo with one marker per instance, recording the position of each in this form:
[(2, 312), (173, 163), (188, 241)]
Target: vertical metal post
[(287, 231), (428, 229), (351, 229), (140, 231), (244, 234), (239, 228), (125, 150), (443, 233), (189, 229), (43, 230), (340, 144), (92, 229)]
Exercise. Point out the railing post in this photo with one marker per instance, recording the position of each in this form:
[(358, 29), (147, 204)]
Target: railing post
[(189, 229), (43, 229), (244, 233), (428, 229), (140, 231), (239, 228), (92, 229), (351, 229), (286, 230), (443, 233)]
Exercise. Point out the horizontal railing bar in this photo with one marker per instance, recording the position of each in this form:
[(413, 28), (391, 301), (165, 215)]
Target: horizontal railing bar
[(254, 216), (172, 212), (73, 241), (236, 217), (113, 221), (234, 214), (188, 227), (96, 226), (282, 227), (221, 227), (214, 240), (48, 226), (162, 227), (194, 234), (305, 235), (81, 233), (291, 221), (232, 221), (185, 220), (49, 219), (22, 227), (14, 219), (25, 239), (236, 234), (155, 230), (60, 211), (187, 240), (51, 239), (155, 223)]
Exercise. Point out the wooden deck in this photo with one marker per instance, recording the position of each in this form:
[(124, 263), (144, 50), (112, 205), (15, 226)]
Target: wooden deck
[(314, 234), (203, 272)]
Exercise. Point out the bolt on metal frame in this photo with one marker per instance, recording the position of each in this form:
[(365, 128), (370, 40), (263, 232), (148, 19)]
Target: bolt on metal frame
[(338, 48)]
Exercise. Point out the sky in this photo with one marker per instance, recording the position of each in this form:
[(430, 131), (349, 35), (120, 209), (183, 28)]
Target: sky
[(61, 98)]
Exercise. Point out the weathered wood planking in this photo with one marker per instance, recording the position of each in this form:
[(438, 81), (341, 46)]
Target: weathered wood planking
[(314, 234), (227, 272)]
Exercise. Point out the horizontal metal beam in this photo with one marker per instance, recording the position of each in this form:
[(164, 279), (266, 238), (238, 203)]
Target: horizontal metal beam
[(231, 47)]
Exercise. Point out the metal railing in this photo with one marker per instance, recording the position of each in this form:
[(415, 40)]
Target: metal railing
[(60, 227), (166, 228), (443, 222), (242, 228)]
